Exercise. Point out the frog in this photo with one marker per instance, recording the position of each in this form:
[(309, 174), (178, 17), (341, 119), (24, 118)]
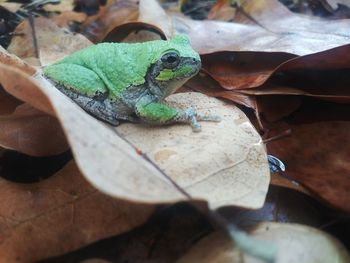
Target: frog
[(117, 82)]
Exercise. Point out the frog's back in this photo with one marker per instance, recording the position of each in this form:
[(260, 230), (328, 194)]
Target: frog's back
[(119, 65)]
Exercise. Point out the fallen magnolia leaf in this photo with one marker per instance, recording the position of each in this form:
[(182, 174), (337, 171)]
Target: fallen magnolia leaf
[(224, 164), (58, 215), (296, 243)]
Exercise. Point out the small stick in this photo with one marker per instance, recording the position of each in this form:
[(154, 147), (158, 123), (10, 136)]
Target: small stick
[(35, 42)]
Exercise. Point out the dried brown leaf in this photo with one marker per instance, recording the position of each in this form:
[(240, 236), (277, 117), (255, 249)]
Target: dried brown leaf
[(109, 17), (276, 30), (242, 70), (8, 103), (53, 43), (59, 215), (206, 85), (314, 157), (32, 132), (66, 19), (17, 83), (296, 243)]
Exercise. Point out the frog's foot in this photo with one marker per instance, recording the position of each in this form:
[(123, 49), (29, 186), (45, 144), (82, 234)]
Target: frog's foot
[(191, 116)]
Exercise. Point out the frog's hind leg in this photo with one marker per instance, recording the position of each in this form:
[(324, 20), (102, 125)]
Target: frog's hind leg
[(94, 106), (85, 88)]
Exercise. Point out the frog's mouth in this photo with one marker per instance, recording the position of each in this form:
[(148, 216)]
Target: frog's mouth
[(188, 67)]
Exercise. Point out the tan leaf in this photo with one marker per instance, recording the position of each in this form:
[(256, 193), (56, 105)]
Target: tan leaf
[(225, 163), (58, 215), (17, 83), (296, 243)]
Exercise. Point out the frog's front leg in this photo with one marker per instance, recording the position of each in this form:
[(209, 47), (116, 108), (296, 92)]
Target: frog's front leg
[(159, 113)]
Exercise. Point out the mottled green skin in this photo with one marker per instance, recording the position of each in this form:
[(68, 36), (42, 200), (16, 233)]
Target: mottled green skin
[(114, 81)]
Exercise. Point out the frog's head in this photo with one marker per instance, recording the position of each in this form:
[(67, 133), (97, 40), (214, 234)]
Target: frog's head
[(174, 64)]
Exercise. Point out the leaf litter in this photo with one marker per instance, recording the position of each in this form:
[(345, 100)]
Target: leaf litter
[(251, 77), (296, 56)]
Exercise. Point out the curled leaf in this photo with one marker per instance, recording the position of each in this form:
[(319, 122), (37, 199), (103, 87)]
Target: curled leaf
[(296, 243), (59, 215)]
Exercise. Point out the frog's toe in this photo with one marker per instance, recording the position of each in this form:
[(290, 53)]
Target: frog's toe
[(203, 117), (196, 127)]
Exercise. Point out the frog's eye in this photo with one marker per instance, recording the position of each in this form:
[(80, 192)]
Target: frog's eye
[(170, 60)]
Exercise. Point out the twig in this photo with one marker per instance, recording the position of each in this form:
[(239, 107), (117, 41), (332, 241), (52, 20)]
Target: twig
[(35, 42)]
